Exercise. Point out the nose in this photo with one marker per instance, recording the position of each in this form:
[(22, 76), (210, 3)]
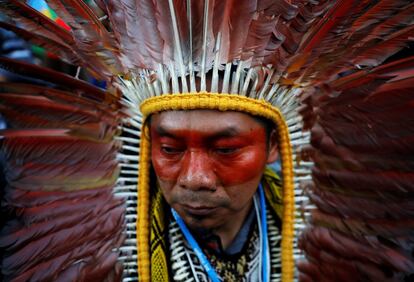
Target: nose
[(197, 172)]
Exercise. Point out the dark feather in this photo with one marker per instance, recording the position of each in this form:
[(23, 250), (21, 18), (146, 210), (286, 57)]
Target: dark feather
[(55, 77)]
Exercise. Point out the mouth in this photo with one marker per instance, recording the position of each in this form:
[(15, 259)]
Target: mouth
[(199, 210)]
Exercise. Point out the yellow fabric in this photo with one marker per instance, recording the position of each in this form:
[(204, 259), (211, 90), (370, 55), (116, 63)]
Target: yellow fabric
[(159, 245), (221, 102), (273, 192)]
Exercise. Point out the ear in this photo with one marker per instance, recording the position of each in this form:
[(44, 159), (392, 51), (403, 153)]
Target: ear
[(273, 147)]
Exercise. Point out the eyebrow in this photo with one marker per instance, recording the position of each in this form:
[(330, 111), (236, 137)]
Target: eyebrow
[(223, 133), (163, 131)]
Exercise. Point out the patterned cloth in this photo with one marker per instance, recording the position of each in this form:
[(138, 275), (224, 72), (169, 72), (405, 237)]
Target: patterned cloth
[(165, 268), (240, 267)]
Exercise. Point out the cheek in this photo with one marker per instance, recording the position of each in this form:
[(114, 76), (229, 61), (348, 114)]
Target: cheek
[(165, 169), (246, 167)]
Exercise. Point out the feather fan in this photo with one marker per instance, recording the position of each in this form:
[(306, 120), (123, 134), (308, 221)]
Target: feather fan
[(70, 150)]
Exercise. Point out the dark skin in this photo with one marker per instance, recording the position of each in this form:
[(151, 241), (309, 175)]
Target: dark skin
[(209, 165)]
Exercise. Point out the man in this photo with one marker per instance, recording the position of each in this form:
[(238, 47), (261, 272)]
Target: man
[(208, 166), (212, 214)]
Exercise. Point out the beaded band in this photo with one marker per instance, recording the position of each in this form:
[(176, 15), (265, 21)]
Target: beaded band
[(221, 102)]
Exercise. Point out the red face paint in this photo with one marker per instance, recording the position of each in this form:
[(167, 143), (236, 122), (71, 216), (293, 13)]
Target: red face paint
[(208, 163)]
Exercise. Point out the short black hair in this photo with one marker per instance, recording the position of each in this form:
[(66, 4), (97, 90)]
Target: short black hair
[(268, 125)]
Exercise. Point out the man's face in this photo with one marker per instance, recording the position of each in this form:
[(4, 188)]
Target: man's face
[(209, 163)]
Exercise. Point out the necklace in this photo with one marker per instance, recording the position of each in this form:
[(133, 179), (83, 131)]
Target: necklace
[(260, 211)]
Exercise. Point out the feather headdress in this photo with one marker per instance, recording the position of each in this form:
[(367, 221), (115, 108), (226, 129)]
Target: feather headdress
[(319, 69)]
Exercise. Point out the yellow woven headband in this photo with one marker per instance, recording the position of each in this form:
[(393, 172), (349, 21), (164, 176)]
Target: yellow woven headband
[(221, 102)]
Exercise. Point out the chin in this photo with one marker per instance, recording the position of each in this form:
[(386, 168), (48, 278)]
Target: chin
[(206, 219), (198, 223)]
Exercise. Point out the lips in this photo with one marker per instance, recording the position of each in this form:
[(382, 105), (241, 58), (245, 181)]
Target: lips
[(199, 210)]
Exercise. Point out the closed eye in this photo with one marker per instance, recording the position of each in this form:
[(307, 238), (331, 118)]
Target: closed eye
[(171, 150), (226, 151)]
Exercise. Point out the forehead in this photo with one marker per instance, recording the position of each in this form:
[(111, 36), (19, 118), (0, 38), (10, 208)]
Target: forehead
[(204, 121)]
